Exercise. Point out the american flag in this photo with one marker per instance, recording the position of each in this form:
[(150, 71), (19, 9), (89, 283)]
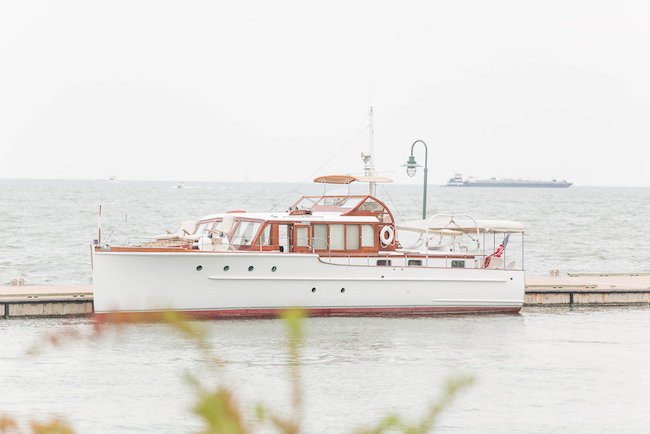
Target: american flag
[(498, 252)]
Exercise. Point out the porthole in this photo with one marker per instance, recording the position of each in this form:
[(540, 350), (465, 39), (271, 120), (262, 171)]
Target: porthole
[(199, 268), (313, 290), (251, 268), (274, 268), (226, 268), (342, 289)]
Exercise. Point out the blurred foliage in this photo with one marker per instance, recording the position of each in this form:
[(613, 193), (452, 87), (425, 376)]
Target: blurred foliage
[(395, 423), (9, 425), (217, 407)]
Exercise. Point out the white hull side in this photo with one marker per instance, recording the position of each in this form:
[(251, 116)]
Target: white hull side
[(148, 281)]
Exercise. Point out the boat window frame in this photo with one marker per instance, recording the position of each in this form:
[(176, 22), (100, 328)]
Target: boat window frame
[(209, 228), (319, 204), (315, 202), (374, 236), (357, 212), (256, 235), (358, 225), (258, 238), (362, 249), (315, 241), (330, 236), (299, 248)]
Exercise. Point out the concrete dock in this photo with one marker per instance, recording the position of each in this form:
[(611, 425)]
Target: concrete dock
[(598, 289), (46, 301)]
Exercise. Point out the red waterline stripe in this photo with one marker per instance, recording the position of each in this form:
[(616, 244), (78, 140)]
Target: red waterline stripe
[(376, 311)]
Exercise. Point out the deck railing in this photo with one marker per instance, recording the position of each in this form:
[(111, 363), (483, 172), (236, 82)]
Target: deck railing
[(370, 259)]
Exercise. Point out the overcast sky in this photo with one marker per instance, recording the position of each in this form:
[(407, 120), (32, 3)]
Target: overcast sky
[(270, 91)]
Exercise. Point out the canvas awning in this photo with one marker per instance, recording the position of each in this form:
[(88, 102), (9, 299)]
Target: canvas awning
[(380, 179), (447, 226)]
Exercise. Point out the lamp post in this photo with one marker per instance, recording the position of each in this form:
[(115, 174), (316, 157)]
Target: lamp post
[(411, 167)]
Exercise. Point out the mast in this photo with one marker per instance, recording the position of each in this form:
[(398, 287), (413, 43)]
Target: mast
[(369, 159)]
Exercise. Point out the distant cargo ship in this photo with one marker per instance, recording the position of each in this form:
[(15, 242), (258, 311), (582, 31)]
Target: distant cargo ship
[(458, 181)]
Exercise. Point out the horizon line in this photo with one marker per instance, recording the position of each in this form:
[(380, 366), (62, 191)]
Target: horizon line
[(275, 182)]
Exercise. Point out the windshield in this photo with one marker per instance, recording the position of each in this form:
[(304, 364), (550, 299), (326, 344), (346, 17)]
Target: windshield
[(245, 233), (332, 200), (307, 202), (202, 228), (351, 202)]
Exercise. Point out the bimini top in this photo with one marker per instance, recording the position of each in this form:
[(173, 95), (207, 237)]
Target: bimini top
[(347, 179), (335, 179), (464, 225)]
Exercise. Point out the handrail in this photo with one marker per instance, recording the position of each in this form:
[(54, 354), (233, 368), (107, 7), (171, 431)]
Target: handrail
[(313, 249), (446, 258), (451, 220), (352, 258)]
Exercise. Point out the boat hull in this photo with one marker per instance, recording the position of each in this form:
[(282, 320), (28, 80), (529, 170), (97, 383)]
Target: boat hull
[(228, 284)]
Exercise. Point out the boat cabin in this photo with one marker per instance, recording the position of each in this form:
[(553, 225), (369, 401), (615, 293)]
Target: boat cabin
[(321, 224), (325, 224)]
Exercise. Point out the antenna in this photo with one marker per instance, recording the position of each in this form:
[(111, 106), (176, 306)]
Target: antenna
[(372, 142), (368, 159)]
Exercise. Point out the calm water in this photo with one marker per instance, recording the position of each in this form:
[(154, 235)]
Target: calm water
[(544, 370)]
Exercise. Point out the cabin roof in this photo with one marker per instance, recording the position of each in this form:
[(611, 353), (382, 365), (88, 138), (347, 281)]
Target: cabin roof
[(328, 208), (298, 218)]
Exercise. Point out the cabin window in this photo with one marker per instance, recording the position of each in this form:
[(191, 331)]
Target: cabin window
[(350, 202), (307, 203), (201, 229), (387, 262), (224, 226), (352, 237), (371, 205), (457, 264), (332, 200), (245, 233), (265, 236), (415, 262), (367, 236), (337, 237), (319, 233), (302, 236)]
